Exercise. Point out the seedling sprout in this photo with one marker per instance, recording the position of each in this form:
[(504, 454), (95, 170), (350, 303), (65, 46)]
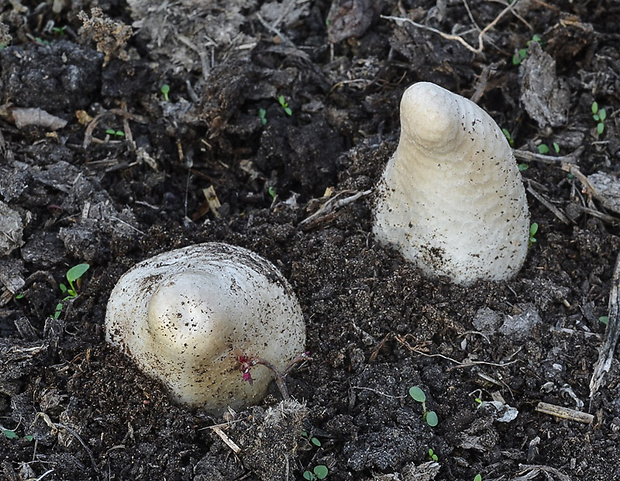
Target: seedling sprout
[(430, 417), (319, 472), (284, 105), (533, 231), (165, 89)]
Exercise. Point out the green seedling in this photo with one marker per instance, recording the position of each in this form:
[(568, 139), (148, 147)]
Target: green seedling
[(478, 477), (59, 30), (521, 54), (430, 417), (599, 115), (284, 105), (533, 231), (509, 137), (604, 319), (262, 115), (432, 456), (312, 440), (544, 148), (165, 90), (19, 296), (74, 276), (523, 167), (115, 133), (10, 434), (319, 472), (272, 192)]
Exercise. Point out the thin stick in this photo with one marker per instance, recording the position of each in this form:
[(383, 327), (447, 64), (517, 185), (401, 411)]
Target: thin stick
[(458, 38), (612, 331), (557, 212), (526, 156), (568, 164), (330, 206), (229, 442), (564, 413)]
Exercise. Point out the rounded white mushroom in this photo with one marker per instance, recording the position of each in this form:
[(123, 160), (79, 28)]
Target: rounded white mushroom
[(451, 198), (186, 316)]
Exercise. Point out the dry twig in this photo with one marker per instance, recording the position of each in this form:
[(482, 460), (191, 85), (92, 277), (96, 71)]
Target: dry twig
[(564, 413), (612, 331), (458, 38), (568, 163), (330, 207)]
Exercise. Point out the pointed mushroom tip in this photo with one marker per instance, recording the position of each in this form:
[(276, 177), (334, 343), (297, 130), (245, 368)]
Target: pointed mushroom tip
[(429, 114)]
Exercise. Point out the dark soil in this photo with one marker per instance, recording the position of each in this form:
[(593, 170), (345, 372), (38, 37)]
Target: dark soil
[(72, 408)]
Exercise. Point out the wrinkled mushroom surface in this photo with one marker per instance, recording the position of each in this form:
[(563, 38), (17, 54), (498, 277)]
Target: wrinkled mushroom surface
[(451, 198), (186, 315)]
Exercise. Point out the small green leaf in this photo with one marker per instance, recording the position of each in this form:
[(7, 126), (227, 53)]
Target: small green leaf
[(63, 288), (602, 114), (523, 167), (29, 437), (536, 38), (19, 296), (604, 319), (416, 393), (600, 128), (58, 310), (508, 136), (10, 434), (478, 477), (165, 89), (76, 272), (516, 60), (543, 149), (594, 107), (316, 442), (321, 471), (272, 192), (431, 419), (556, 147), (262, 115), (533, 229), (309, 476)]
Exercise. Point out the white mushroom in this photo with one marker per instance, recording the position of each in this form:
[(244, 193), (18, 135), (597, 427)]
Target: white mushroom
[(186, 316), (451, 198)]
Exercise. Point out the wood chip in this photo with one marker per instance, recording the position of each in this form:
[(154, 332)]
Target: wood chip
[(564, 413)]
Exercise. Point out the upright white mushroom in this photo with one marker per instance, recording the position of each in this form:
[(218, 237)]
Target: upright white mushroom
[(451, 198), (187, 316)]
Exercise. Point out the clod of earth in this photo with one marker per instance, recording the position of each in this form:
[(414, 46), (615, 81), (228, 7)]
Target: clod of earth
[(451, 198), (185, 316)]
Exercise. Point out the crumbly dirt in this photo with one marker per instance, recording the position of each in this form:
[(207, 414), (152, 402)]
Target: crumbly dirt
[(125, 179)]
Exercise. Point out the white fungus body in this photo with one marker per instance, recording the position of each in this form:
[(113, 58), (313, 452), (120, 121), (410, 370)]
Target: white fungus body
[(185, 316), (451, 198)]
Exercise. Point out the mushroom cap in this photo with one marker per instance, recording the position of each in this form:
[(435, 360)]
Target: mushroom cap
[(428, 116), (186, 315)]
